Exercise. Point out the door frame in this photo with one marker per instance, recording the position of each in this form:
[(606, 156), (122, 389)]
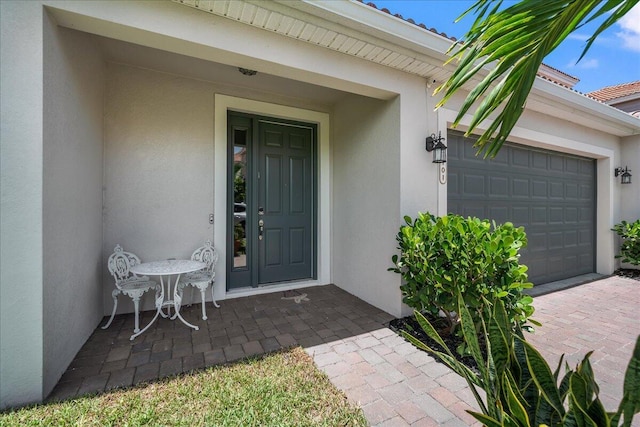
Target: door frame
[(251, 272), (224, 103)]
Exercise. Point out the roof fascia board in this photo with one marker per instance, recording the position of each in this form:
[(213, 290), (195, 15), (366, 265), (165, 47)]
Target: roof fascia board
[(621, 99), (379, 24), (361, 19), (624, 123)]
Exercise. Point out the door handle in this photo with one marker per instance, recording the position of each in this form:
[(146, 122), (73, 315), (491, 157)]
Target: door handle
[(260, 228)]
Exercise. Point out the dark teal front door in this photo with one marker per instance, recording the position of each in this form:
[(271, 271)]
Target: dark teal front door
[(272, 195)]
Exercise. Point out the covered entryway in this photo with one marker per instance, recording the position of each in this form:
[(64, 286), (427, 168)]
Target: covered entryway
[(551, 194), (272, 201)]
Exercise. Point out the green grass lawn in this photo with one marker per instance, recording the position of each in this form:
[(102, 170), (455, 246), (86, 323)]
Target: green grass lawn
[(281, 389)]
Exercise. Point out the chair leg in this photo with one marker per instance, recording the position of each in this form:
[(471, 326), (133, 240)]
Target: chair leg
[(204, 308), (114, 294), (213, 299), (136, 305)]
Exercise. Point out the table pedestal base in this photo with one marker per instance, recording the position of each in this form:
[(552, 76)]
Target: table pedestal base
[(161, 303)]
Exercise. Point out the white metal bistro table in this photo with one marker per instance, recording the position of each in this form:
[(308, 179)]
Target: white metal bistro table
[(167, 268)]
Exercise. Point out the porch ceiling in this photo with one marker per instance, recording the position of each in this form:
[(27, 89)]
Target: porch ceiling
[(160, 60)]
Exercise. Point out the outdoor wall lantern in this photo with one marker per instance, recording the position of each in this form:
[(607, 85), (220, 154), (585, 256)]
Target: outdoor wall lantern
[(437, 146), (626, 176)]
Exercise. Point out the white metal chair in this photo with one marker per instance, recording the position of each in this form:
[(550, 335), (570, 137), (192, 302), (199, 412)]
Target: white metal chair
[(128, 283), (205, 277)]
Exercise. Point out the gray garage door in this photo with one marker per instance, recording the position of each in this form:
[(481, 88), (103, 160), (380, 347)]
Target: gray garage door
[(551, 194)]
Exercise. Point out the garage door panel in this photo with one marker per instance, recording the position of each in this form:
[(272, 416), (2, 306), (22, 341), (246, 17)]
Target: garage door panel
[(556, 215), (499, 213), (520, 187), (551, 194), (556, 164), (570, 215), (537, 242), (585, 261), (556, 190), (572, 166), (539, 215), (585, 215), (473, 184), (571, 191), (498, 186), (586, 192), (521, 215), (520, 158), (586, 168), (539, 188), (555, 265), (540, 161), (585, 237)]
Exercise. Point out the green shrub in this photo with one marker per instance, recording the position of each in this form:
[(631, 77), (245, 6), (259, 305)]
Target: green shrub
[(520, 388), (446, 255), (630, 247)]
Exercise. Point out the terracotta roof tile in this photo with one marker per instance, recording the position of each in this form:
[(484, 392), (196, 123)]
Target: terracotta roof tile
[(433, 30), (409, 20), (617, 91)]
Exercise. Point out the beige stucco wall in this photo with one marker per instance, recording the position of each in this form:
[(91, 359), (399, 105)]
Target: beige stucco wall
[(21, 255), (630, 194), (158, 181), (72, 195), (366, 199)]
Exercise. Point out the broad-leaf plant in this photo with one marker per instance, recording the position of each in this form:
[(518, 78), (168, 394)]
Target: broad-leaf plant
[(520, 388)]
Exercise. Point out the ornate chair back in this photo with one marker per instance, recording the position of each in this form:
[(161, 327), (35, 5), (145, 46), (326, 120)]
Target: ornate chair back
[(208, 255), (120, 262)]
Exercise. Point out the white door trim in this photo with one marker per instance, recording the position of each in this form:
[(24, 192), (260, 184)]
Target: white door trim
[(224, 103)]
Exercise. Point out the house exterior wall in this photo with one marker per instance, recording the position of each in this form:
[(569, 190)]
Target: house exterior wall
[(629, 194), (21, 156), (72, 195), (158, 181), (366, 199)]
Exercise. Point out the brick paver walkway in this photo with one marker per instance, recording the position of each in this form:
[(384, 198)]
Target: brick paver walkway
[(393, 382), (397, 385)]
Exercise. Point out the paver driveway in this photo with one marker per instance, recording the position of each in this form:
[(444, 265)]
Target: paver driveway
[(397, 385)]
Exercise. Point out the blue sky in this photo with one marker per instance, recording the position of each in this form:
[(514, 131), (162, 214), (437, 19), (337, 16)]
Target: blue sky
[(614, 58)]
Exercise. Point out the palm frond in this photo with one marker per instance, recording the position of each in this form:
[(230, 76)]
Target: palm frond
[(513, 42)]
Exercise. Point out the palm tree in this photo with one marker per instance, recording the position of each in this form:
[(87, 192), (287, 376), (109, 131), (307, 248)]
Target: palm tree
[(516, 39)]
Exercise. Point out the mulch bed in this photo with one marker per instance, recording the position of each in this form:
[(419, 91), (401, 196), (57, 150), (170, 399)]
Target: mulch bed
[(628, 272), (410, 325)]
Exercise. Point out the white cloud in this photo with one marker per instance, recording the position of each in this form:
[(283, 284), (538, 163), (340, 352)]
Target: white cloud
[(585, 64), (630, 25), (578, 36)]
